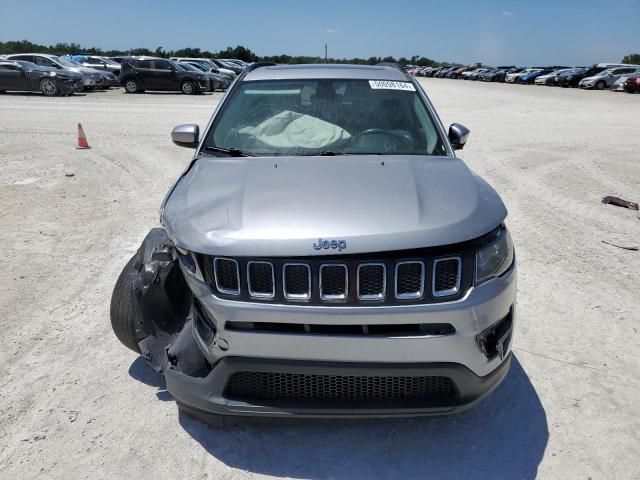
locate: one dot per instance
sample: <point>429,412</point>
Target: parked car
<point>572,79</point>
<point>487,75</point>
<point>632,85</point>
<point>216,82</point>
<point>475,73</point>
<point>605,78</point>
<point>212,63</point>
<point>618,85</point>
<point>150,73</point>
<point>21,76</point>
<point>443,72</point>
<point>527,78</point>
<point>97,62</point>
<point>515,75</point>
<point>118,60</point>
<point>90,78</point>
<point>206,67</point>
<point>550,78</point>
<point>247,306</point>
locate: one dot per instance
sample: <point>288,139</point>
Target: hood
<point>281,206</point>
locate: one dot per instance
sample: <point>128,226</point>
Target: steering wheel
<point>397,137</point>
<point>378,131</point>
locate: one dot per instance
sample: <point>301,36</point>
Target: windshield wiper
<point>232,152</point>
<point>328,153</point>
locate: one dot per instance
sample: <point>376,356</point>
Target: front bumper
<point>205,398</point>
<point>458,355</point>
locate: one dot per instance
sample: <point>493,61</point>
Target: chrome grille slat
<point>227,275</point>
<point>372,284</point>
<point>409,280</point>
<point>446,276</point>
<point>334,282</point>
<point>296,281</point>
<point>261,279</point>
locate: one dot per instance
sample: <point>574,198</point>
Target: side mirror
<point>186,135</point>
<point>458,135</point>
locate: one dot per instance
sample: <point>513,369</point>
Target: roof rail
<point>255,65</point>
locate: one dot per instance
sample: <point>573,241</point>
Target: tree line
<point>239,52</point>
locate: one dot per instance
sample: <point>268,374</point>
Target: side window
<point>26,58</point>
<point>45,62</point>
<point>143,64</point>
<point>94,61</point>
<point>161,65</point>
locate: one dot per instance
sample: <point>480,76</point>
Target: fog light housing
<point>496,339</point>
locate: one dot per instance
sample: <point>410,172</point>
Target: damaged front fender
<point>152,307</point>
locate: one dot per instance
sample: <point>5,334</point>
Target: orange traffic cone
<point>82,139</point>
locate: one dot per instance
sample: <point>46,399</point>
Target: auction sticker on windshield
<point>387,85</point>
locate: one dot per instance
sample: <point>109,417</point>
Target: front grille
<point>272,386</point>
<point>338,280</point>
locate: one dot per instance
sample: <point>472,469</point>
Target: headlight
<point>495,258</point>
<point>190,262</point>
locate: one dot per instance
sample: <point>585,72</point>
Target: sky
<point>553,32</point>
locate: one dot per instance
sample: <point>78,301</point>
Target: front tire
<point>188,88</point>
<point>600,85</point>
<point>122,309</point>
<point>131,86</point>
<point>49,88</point>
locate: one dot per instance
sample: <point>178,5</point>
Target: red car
<point>632,85</point>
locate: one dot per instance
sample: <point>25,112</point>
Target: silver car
<point>324,254</point>
<point>618,85</point>
<point>605,78</point>
<point>90,78</point>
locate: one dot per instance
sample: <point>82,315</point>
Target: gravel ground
<point>74,403</point>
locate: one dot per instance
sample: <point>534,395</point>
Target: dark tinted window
<point>161,65</point>
<point>143,64</point>
<point>8,67</point>
<point>94,61</point>
<point>28,58</point>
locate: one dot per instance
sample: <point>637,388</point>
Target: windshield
<point>188,66</point>
<point>197,66</point>
<point>180,67</point>
<point>313,117</point>
<point>65,62</point>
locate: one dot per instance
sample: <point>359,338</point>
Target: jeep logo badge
<point>330,244</point>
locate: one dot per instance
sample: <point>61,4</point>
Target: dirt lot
<point>74,403</point>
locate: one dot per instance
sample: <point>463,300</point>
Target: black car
<point>148,73</point>
<point>26,76</point>
<point>573,79</point>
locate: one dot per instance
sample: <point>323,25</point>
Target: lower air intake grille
<point>246,386</point>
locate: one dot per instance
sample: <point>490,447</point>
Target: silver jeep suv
<point>325,254</point>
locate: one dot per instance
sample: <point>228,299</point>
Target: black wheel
<point>600,85</point>
<point>188,88</point>
<point>49,88</point>
<point>122,309</point>
<point>131,86</point>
